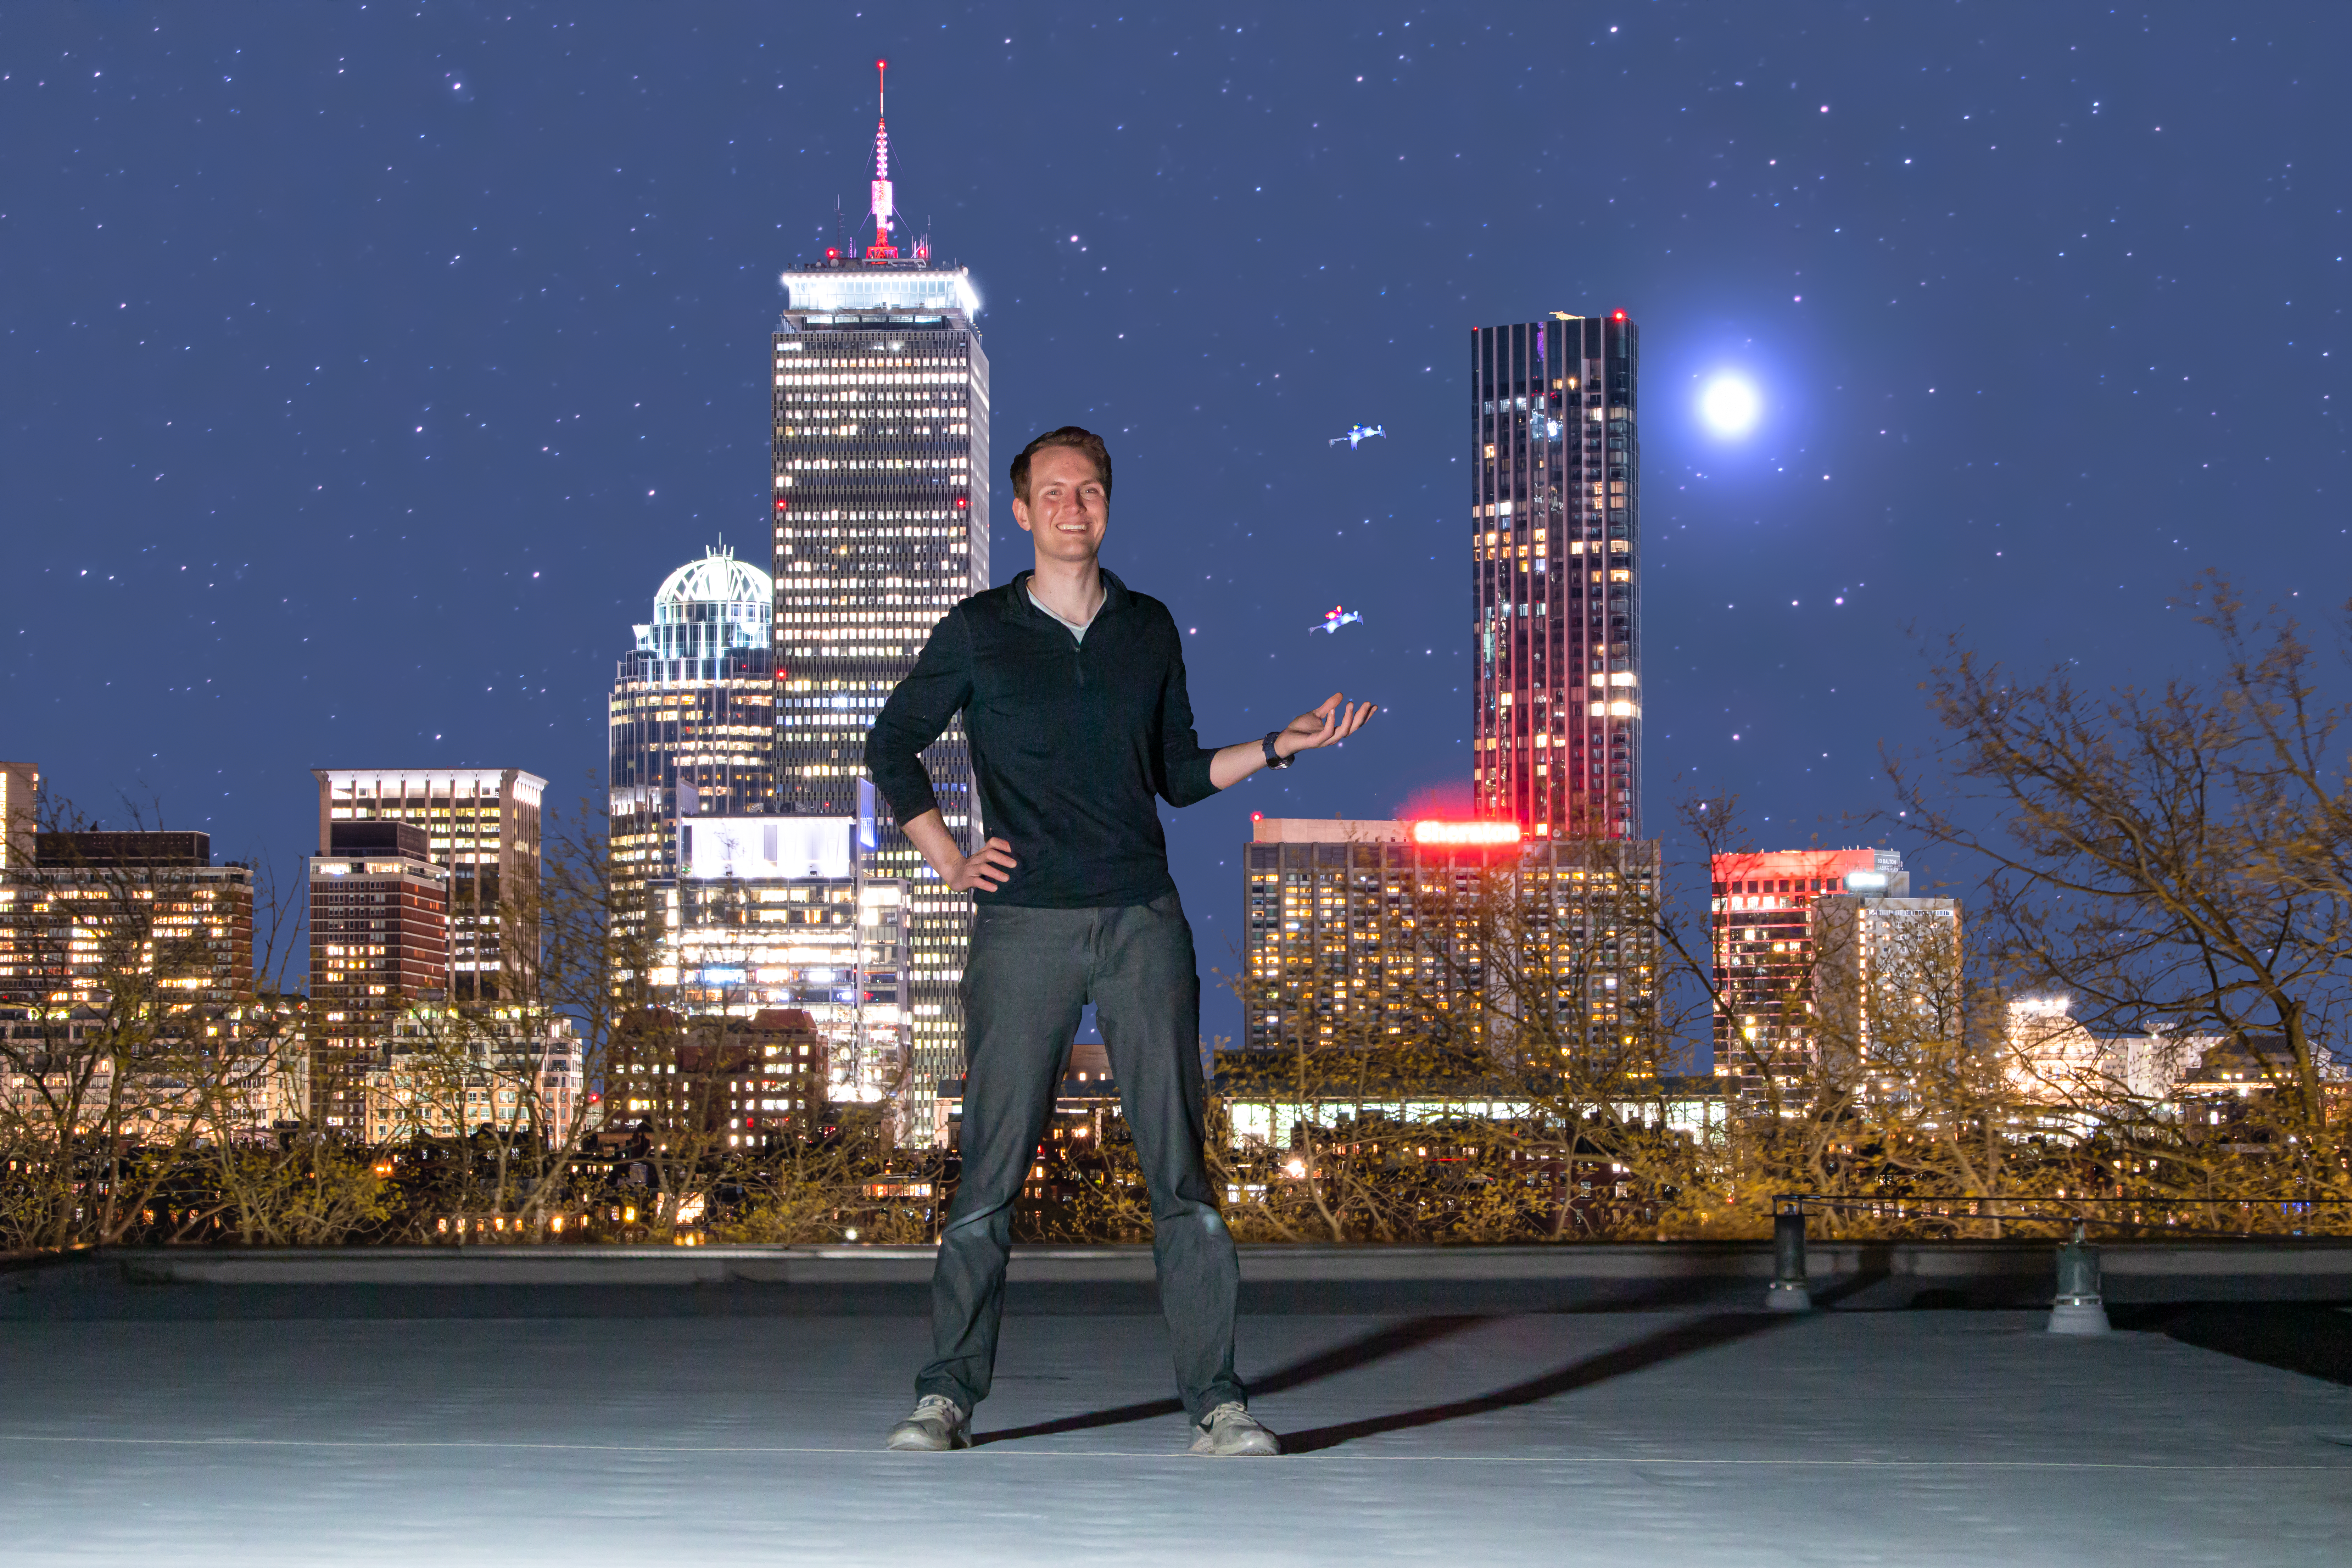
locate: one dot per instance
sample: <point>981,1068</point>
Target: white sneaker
<point>938,1425</point>
<point>1231,1432</point>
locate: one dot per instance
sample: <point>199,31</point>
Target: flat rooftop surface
<point>1697,1436</point>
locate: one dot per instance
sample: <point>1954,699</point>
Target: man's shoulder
<point>1144,606</point>
<point>988,603</point>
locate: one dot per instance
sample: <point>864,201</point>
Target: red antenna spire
<point>882,249</point>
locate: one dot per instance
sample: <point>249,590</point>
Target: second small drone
<point>1355,435</point>
<point>1335,620</point>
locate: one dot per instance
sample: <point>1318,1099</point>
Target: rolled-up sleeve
<point>1184,762</point>
<point>918,709</point>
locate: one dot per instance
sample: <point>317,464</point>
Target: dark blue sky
<point>367,367</point>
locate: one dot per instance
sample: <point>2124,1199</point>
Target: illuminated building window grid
<point>484,826</point>
<point>1555,545</point>
<point>692,718</point>
<point>502,1067</point>
<point>833,948</point>
<point>64,929</point>
<point>1335,951</point>
<point>879,428</point>
<point>1768,951</point>
<point>716,736</point>
<point>380,941</point>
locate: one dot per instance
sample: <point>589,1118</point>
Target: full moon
<point>1729,405</point>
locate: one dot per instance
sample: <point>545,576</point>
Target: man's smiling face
<point>1067,508</point>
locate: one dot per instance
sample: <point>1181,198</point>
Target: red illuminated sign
<point>1466,833</point>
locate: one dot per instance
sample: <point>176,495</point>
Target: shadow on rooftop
<point>1427,1329</point>
<point>1361,1351</point>
<point>2308,1337</point>
<point>1666,1344</point>
<point>1675,1340</point>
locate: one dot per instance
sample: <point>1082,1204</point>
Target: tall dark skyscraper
<point>1556,539</point>
<point>881,526</point>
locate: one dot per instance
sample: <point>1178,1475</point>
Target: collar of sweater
<point>1115,597</point>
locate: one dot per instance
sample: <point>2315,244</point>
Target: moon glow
<point>1730,405</point>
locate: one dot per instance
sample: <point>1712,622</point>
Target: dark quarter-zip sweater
<point>1071,739</point>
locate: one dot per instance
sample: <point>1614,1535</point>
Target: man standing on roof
<point>1072,689</point>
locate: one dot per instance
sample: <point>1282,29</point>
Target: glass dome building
<point>706,610</point>
<point>693,710</point>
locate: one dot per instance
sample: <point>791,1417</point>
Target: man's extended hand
<point>986,870</point>
<point>1328,725</point>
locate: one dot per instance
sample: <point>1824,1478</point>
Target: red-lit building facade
<point>1555,708</point>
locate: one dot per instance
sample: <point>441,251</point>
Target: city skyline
<point>1847,896</point>
<point>565,334</point>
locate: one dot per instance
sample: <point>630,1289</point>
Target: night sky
<point>368,366</point>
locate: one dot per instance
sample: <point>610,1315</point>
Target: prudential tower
<point>881,526</point>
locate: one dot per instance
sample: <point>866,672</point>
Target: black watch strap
<point>1274,759</point>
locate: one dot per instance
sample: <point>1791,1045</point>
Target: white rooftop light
<point>883,289</point>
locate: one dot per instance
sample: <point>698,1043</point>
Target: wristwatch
<point>1275,759</point>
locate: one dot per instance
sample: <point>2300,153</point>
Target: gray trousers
<point>1029,974</point>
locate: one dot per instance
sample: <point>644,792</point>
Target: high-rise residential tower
<point>1556,656</point>
<point>96,914</point>
<point>881,526</point>
<point>693,715</point>
<point>379,945</point>
<point>1370,932</point>
<point>20,813</point>
<point>1814,949</point>
<point>484,829</point>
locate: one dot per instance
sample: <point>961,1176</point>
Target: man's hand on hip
<point>984,871</point>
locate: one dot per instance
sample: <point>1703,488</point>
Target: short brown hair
<point>1070,436</point>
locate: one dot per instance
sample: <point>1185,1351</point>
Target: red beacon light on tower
<point>884,209</point>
